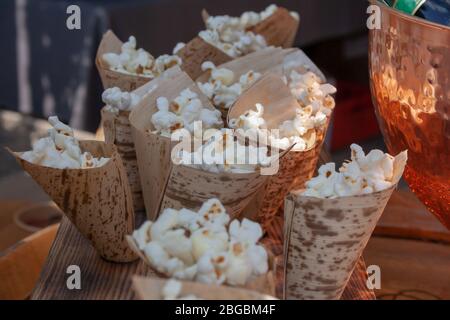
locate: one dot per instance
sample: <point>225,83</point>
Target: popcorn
<point>316,105</point>
<point>183,112</point>
<point>203,246</point>
<point>222,88</point>
<point>116,100</point>
<point>223,153</point>
<point>61,150</point>
<point>362,175</point>
<point>230,34</point>
<point>172,290</point>
<point>139,62</point>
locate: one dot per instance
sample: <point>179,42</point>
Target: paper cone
<point>263,284</point>
<point>279,29</point>
<point>110,78</point>
<point>197,51</point>
<point>325,238</point>
<point>147,288</point>
<point>296,167</point>
<point>117,131</point>
<point>153,150</point>
<point>97,200</point>
<point>189,187</point>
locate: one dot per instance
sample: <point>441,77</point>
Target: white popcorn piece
<point>362,175</point>
<point>116,100</point>
<point>61,150</point>
<point>139,62</point>
<point>178,47</point>
<point>171,290</point>
<point>183,112</point>
<point>215,252</point>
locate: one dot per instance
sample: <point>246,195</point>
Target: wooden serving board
<point>105,280</point>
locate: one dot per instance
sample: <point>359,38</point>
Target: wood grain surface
<point>105,280</point>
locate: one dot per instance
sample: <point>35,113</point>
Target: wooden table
<point>104,280</point>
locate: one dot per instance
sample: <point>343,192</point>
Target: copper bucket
<point>409,61</point>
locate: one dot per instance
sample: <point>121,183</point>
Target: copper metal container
<point>409,61</point>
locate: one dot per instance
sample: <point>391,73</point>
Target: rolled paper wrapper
<point>96,200</point>
<point>263,284</point>
<point>324,238</point>
<point>154,150</point>
<point>111,78</point>
<point>148,288</point>
<point>267,60</point>
<point>296,167</point>
<point>117,131</point>
<point>279,30</point>
<point>190,187</point>
<point>197,51</point>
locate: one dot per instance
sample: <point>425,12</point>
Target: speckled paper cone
<point>97,200</point>
<point>117,131</point>
<point>111,78</point>
<point>153,150</point>
<point>279,29</point>
<point>263,284</point>
<point>147,288</point>
<point>197,51</point>
<point>296,167</point>
<point>262,61</point>
<point>189,187</point>
<point>325,238</point>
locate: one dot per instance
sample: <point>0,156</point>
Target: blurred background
<point>50,70</point>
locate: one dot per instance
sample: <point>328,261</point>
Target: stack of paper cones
<point>96,200</point>
<point>117,131</point>
<point>267,60</point>
<point>264,284</point>
<point>148,288</point>
<point>324,238</point>
<point>279,30</point>
<point>296,167</point>
<point>197,51</point>
<point>111,78</point>
<point>153,150</point>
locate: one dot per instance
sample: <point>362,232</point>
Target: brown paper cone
<point>97,201</point>
<point>153,150</point>
<point>279,29</point>
<point>148,288</point>
<point>197,51</point>
<point>264,284</point>
<point>189,187</point>
<point>296,167</point>
<point>325,238</point>
<point>117,131</point>
<point>110,78</point>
